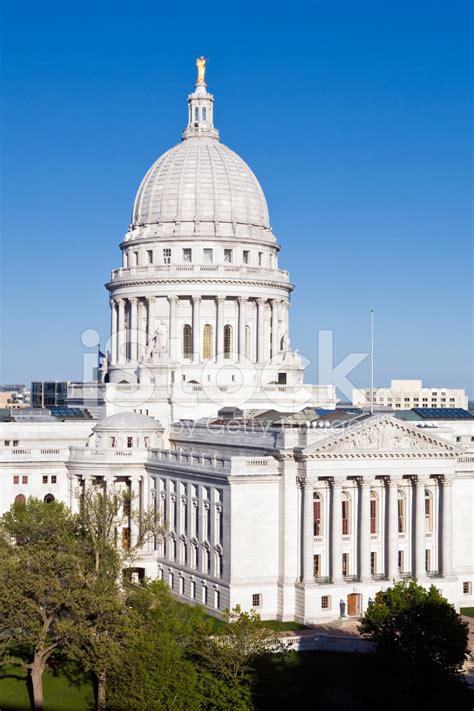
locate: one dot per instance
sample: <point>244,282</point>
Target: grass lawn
<point>279,626</point>
<point>59,694</point>
<point>469,611</point>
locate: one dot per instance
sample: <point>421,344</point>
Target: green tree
<point>228,658</point>
<point>154,670</point>
<point>423,641</point>
<point>42,584</point>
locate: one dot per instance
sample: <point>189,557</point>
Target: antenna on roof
<point>372,312</point>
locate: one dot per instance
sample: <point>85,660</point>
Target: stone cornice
<point>127,283</point>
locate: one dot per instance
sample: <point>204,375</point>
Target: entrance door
<point>354,604</point>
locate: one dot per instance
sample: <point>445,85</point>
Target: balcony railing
<point>241,271</point>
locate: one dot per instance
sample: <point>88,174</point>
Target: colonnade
<point>129,338</point>
<point>389,526</point>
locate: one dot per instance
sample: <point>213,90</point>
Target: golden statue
<point>201,67</point>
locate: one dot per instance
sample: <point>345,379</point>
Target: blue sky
<point>355,117</point>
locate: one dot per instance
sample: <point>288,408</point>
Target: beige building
<point>407,394</point>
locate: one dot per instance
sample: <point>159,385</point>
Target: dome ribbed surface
<point>198,180</point>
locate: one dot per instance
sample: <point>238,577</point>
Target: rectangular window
<point>204,595</point>
<point>228,256</point>
<point>325,602</point>
<point>401,515</point>
<point>217,599</point>
<point>245,256</point>
<point>373,563</point>
<point>187,255</point>
<point>149,256</point>
<point>16,479</point>
<point>401,567</point>
<point>181,586</point>
<point>373,516</point>
<point>53,479</point>
<point>317,566</point>
<point>135,259</point>
<point>208,255</point>
<point>345,518</point>
<point>24,479</point>
<point>345,564</point>
<point>171,580</point>
<point>129,442</point>
<point>45,479</point>
<point>192,590</point>
<point>467,587</point>
<point>256,600</point>
<point>260,259</point>
<point>7,443</point>
<point>16,442</point>
<point>317,517</point>
<point>167,256</point>
<point>427,560</point>
<point>125,538</point>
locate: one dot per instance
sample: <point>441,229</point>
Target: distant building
<point>48,393</point>
<point>408,394</point>
<point>13,396</point>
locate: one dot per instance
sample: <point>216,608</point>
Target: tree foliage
<point>417,627</point>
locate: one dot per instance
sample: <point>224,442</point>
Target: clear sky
<point>355,116</point>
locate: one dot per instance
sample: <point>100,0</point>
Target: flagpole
<point>371,361</point>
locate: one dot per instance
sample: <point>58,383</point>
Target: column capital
<point>135,477</point>
<point>133,299</point>
<point>421,480</point>
<point>337,482</point>
<point>196,298</point>
<point>173,299</point>
<point>366,481</point>
<point>220,299</point>
<point>241,299</point>
<point>392,482</point>
<point>120,301</point>
<point>447,479</point>
<point>151,299</point>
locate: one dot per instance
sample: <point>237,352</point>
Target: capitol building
<point>272,497</point>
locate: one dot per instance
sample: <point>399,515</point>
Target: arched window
<point>218,564</point>
<point>317,515</point>
<point>374,522</point>
<point>187,341</point>
<point>20,499</point>
<point>428,511</point>
<point>227,341</point>
<point>345,514</point>
<point>207,342</point>
<point>48,498</point>
<point>204,113</point>
<point>401,513</point>
<point>196,114</point>
<point>206,560</point>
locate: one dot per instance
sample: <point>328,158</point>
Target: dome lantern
<point>200,108</point>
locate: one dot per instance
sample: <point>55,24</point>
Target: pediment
<point>382,437</point>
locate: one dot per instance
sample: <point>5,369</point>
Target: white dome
<point>200,180</point>
<point>127,421</point>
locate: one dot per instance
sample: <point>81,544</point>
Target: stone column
<point>419,568</point>
<point>391,544</point>
<point>275,316</point>
<point>364,530</point>
<point>173,302</point>
<point>74,487</point>
<point>220,328</point>
<point>336,531</point>
<point>196,303</point>
<point>121,341</point>
<point>135,507</point>
<point>447,527</point>
<point>241,301</point>
<point>151,302</point>
<point>113,332</point>
<point>142,328</point>
<point>308,533</point>
<point>260,330</point>
<point>133,329</point>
